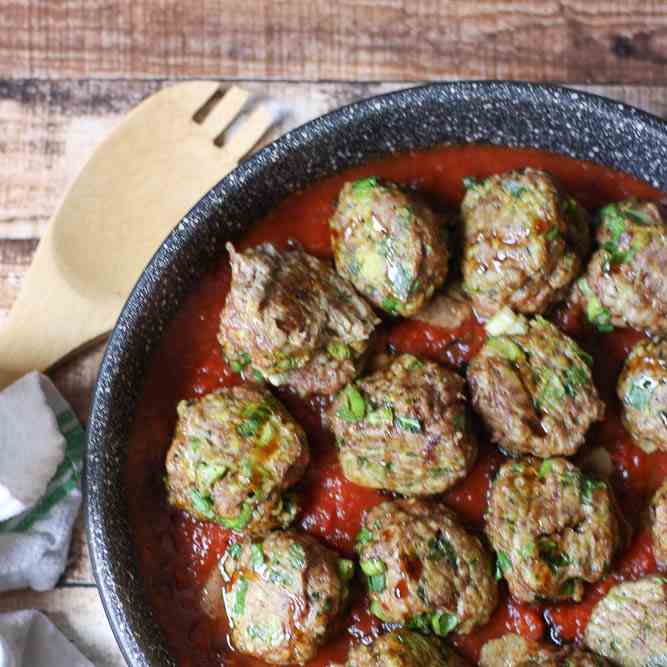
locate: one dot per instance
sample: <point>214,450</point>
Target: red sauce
<point>176,554</point>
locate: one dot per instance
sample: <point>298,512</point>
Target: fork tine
<point>248,133</point>
<point>224,112</point>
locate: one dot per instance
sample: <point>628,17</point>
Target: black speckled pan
<point>511,114</point>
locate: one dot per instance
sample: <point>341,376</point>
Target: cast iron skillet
<point>582,126</point>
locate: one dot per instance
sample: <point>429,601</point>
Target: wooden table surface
<point>70,69</point>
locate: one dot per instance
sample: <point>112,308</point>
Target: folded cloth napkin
<point>29,639</point>
<point>41,454</point>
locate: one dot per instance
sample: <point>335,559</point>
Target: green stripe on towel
<point>65,480</point>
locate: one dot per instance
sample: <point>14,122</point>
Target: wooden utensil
<point>136,186</point>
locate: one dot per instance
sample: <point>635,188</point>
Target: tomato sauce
<point>176,555</point>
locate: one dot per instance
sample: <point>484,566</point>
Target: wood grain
<point>585,41</point>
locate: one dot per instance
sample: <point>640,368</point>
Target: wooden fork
<point>136,186</point>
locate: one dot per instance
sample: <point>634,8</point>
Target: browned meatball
<point>389,244</point>
<point>290,318</point>
<point>629,625</point>
<point>424,569</point>
<point>234,454</point>
<point>625,283</point>
<point>515,651</point>
<point>524,240</point>
<point>404,428</point>
<point>552,528</point>
<point>284,596</point>
<point>403,648</point>
<point>659,525</point>
<point>642,389</point>
<point>533,387</point>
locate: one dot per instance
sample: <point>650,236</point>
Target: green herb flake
<point>377,583</point>
<point>421,623</point>
<point>352,405</point>
<point>373,567</point>
<point>202,504</point>
<point>443,623</point>
<point>545,468</point>
<point>241,521</point>
<point>568,588</point>
<point>297,556</point>
<point>376,610</point>
<point>239,600</point>
<point>238,364</point>
<point>410,424</point>
<point>503,564</point>
<point>552,556</point>
<point>345,569</point>
<point>640,393</point>
<point>391,305</point>
<point>552,234</point>
<point>515,189</point>
<point>234,550</point>
<point>440,547</point>
<point>598,315</point>
<point>338,350</point>
<point>256,555</point>
<point>364,536</point>
<point>638,216</point>
<point>588,486</point>
<point>584,356</point>
<point>506,348</point>
<point>364,186</point>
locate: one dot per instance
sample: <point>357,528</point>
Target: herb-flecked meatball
<point>404,428</point>
<point>533,387</point>
<point>403,648</point>
<point>284,596</point>
<point>290,318</point>
<point>234,454</point>
<point>642,389</point>
<point>659,524</point>
<point>629,625</point>
<point>424,569</point>
<point>524,240</point>
<point>625,282</point>
<point>389,244</point>
<point>552,528</point>
<point>515,651</point>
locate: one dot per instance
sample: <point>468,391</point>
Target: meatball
<point>284,596</point>
<point>404,428</point>
<point>624,284</point>
<point>629,625</point>
<point>533,387</point>
<point>389,244</point>
<point>642,389</point>
<point>234,454</point>
<point>659,525</point>
<point>424,569</point>
<point>515,651</point>
<point>524,240</point>
<point>403,648</point>
<point>290,319</point>
<point>552,528</point>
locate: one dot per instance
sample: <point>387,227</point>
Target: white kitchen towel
<point>41,439</point>
<point>29,639</point>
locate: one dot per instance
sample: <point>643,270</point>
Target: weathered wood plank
<point>585,41</point>
<point>78,614</point>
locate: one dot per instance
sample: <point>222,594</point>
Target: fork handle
<point>48,321</point>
